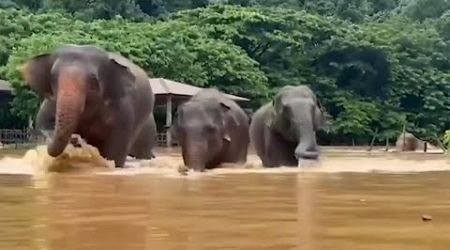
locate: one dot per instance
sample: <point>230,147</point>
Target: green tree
<point>423,9</point>
<point>99,9</point>
<point>372,74</point>
<point>175,50</point>
<point>371,65</point>
<point>447,138</point>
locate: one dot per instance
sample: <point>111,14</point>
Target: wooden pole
<point>373,139</point>
<point>404,136</point>
<point>168,120</point>
<point>30,122</point>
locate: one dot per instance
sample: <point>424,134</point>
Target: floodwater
<point>351,201</point>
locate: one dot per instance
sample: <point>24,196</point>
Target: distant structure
<point>5,86</point>
<point>6,94</point>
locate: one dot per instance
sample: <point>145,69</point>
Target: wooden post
<point>30,122</point>
<point>387,144</point>
<point>375,134</point>
<point>168,120</point>
<point>404,139</point>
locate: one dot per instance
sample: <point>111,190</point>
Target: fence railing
<point>162,140</point>
<point>18,137</point>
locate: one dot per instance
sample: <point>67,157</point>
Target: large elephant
<point>283,131</point>
<point>99,95</point>
<point>408,142</point>
<point>211,130</point>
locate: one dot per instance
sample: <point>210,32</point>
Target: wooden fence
<point>18,137</point>
<point>162,140</point>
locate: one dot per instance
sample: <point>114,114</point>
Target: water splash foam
<point>37,163</point>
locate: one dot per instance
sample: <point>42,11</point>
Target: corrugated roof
<point>5,86</point>
<point>161,86</point>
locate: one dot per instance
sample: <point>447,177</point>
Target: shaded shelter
<point>9,120</point>
<point>171,93</point>
<point>5,86</point>
<point>6,94</point>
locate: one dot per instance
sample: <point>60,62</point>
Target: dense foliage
<point>375,65</point>
<point>447,138</point>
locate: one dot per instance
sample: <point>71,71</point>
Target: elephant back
<point>142,94</point>
<point>215,95</point>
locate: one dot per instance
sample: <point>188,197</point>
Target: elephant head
<point>202,129</point>
<point>296,114</point>
<point>78,78</point>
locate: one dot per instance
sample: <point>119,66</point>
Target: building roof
<point>5,86</point>
<point>161,86</point>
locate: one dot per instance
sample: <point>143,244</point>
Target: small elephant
<point>99,95</point>
<point>408,142</point>
<point>211,130</point>
<point>283,131</point>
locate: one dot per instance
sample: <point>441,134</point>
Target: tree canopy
<point>375,65</point>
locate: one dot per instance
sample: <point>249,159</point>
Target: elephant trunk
<point>307,146</point>
<point>70,101</point>
<point>194,156</point>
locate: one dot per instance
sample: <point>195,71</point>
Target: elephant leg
<point>145,140</point>
<point>278,151</point>
<point>242,150</point>
<point>242,156</point>
<point>235,152</point>
<point>117,146</point>
<point>45,118</point>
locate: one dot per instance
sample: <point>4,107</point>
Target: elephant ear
<point>270,117</point>
<point>230,120</point>
<point>319,116</point>
<point>116,80</point>
<point>37,74</point>
<point>276,103</point>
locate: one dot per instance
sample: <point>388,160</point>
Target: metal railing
<point>18,137</point>
<point>162,140</point>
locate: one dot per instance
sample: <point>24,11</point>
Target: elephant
<point>99,95</point>
<point>211,129</point>
<point>408,142</point>
<point>283,131</point>
<point>145,141</point>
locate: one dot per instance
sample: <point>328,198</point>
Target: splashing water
<point>37,163</point>
<point>87,159</point>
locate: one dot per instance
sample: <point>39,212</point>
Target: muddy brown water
<point>351,201</point>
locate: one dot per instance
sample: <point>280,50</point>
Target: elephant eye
<point>287,110</point>
<point>93,83</point>
<point>210,129</point>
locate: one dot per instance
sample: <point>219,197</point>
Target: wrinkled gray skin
<point>211,130</point>
<point>101,96</point>
<point>283,131</point>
